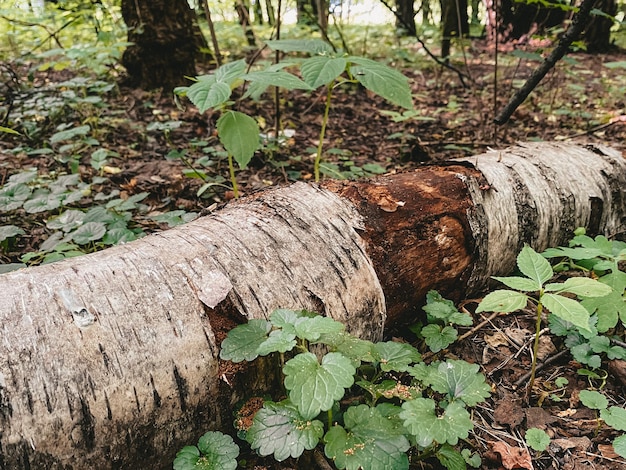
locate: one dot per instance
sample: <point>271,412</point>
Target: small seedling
<point>537,272</point>
<point>613,416</point>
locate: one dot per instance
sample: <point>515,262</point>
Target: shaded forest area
<point>90,159</point>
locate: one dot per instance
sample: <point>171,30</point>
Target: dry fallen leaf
<point>606,450</point>
<point>512,457</point>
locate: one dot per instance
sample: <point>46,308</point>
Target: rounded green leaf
<point>278,341</point>
<point>88,232</point>
<point>502,301</point>
<point>594,400</point>
<point>13,195</point>
<point>619,446</point>
<point>9,231</point>
<point>537,439</point>
<point>421,419</point>
<point>243,341</point>
<point>312,328</point>
<point>394,356</point>
<point>314,387</point>
<point>219,452</point>
<point>534,266</point>
<point>369,440</point>
<point>568,309</point>
<point>279,429</point>
<point>239,134</point>
<point>460,380</point>
<point>614,417</point>
<point>187,458</point>
<point>438,337</point>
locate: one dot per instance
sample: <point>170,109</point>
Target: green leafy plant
<point>407,403</point>
<point>613,416</point>
<point>537,271</point>
<point>239,133</point>
<point>441,315</point>
<point>537,439</point>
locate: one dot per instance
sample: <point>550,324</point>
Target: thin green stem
<point>320,146</point>
<point>233,178</point>
<point>533,367</point>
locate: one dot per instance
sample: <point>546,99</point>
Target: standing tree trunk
<point>454,23</point>
<point>597,34</point>
<point>110,360</point>
<point>405,22</point>
<point>165,42</point>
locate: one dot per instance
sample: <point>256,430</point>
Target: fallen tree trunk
<point>111,360</point>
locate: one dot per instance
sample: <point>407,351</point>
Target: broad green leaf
<point>615,417</point>
<point>230,72</point>
<point>460,380</point>
<point>502,301</point>
<point>9,231</point>
<point>473,460</point>
<point>578,253</point>
<point>585,355</point>
<point>534,266</point>
<point>239,134</point>
<point>243,341</point>
<point>580,286</point>
<point>450,458</point>
<point>13,195</point>
<point>278,78</point>
<point>279,429</point>
<point>369,440</point>
<point>67,221</point>
<point>438,338</point>
<point>537,439</point>
<point>354,348</point>
<point>117,235</point>
<point>383,80</point>
<point>421,419</point>
<point>312,328</point>
<point>619,446</point>
<point>187,458</point>
<point>285,319</point>
<point>312,46</point>
<point>568,309</point>
<point>322,70</point>
<point>592,399</point>
<point>42,202</point>
<point>314,387</point>
<point>616,280</point>
<point>8,130</point>
<point>207,94</point>
<point>69,133</point>
<point>278,341</point>
<point>621,64</point>
<point>394,356</point>
<point>438,308</point>
<point>89,232</point>
<point>219,451</point>
<point>523,284</point>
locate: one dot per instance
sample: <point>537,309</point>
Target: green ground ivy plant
<point>533,286</point>
<point>370,405</point>
<point>239,133</point>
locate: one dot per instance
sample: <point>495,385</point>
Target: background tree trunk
<point>454,23</point>
<point>110,360</point>
<point>597,34</point>
<point>406,25</point>
<point>165,42</point>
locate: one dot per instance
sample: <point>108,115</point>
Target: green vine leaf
<point>394,356</point>
<point>609,309</point>
<point>208,94</point>
<point>243,341</point>
<point>369,440</point>
<point>215,451</point>
<point>314,387</point>
<point>568,309</point>
<point>421,419</point>
<point>534,266</point>
<point>279,429</point>
<point>239,134</point>
<point>519,283</point>
<point>502,301</point>
<point>278,341</point>
<point>460,380</point>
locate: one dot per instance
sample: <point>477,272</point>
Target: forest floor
<point>155,147</point>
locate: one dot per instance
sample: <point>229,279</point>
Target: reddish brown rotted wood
<point>417,233</point>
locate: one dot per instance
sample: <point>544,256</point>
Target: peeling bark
<point>110,360</point>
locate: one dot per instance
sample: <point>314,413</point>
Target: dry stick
<point>277,116</point>
<point>523,379</point>
<point>321,461</point>
<point>216,47</point>
<point>578,23</point>
<point>460,74</point>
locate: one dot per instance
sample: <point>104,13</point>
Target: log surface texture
<point>110,360</point>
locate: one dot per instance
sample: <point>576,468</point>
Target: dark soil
<point>582,101</point>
